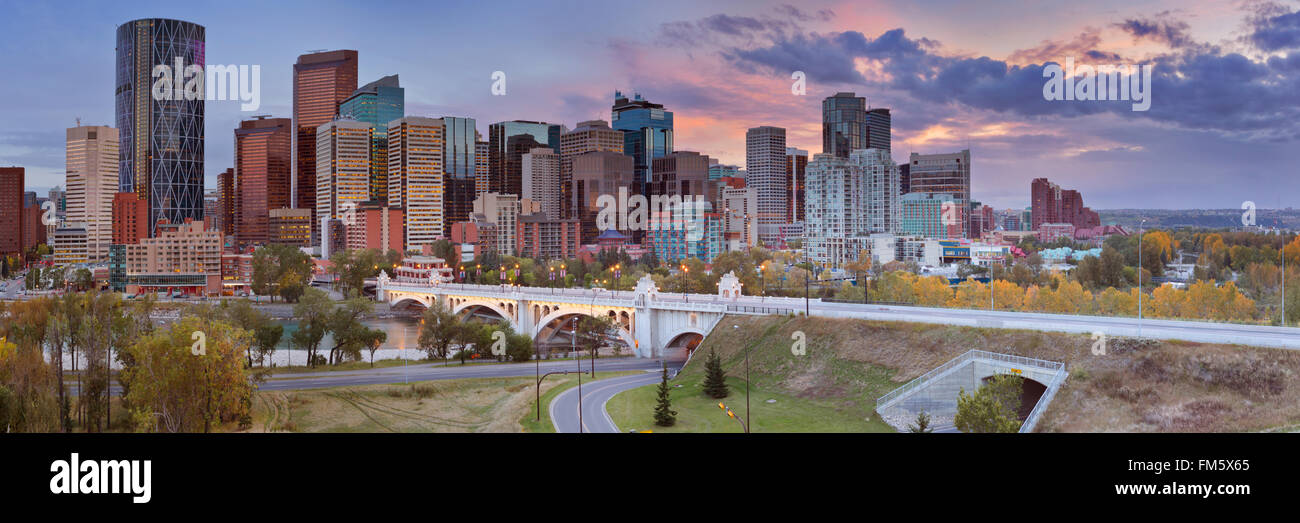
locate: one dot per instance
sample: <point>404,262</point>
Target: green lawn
<point>696,412</point>
<point>566,382</point>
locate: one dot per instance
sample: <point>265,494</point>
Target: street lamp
<point>1141,232</point>
<point>733,415</point>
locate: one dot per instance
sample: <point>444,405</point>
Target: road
<point>436,371</point>
<point>595,394</point>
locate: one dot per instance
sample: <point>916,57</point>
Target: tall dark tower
<point>161,134</point>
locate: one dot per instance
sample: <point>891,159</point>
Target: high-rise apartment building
<point>342,169</point>
<point>320,82</point>
<point>92,164</point>
<point>541,180</point>
<point>848,201</point>
<point>263,153</point>
<point>377,103</point>
<point>415,177</point>
<point>160,138</point>
<point>501,210</point>
<point>11,210</point>
<point>1052,205</point>
<point>765,161</point>
<point>947,173</point>
<point>376,226</point>
<point>922,214</point>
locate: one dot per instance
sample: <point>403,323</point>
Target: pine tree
<point>664,415</point>
<point>922,424</point>
<point>715,382</point>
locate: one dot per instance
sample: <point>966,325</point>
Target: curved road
<point>595,394</point>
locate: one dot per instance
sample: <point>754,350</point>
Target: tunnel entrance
<point>1030,392</point>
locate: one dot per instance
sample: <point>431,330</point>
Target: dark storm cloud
<point>1160,28</point>
<point>1277,32</point>
<point>1197,87</point>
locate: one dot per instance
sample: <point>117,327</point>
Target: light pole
<point>733,415</point>
<point>1141,232</point>
<point>737,327</point>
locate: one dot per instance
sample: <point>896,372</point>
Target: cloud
<point>1086,44</point>
<point>1162,28</point>
<point>1279,32</point>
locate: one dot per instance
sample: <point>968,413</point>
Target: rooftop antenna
<point>78,121</point>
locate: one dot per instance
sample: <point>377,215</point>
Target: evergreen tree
<point>922,424</point>
<point>715,382</point>
<point>664,415</point>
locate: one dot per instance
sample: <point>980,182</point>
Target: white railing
<point>1046,398</point>
<point>894,396</point>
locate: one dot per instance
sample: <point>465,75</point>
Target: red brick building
<point>11,210</point>
<point>130,218</point>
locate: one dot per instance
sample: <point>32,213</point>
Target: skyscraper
<point>482,172</point>
<point>226,201</point>
<point>507,142</point>
<point>377,103</point>
<point>161,139</point>
<point>541,183</point>
<point>848,125</point>
<point>647,133</point>
<point>11,210</point>
<point>92,163</point>
<point>796,169</point>
<point>848,201</point>
<point>765,166</point>
<point>460,169</point>
<point>342,170</point>
<point>262,176</point>
<point>589,136</point>
<point>320,81</point>
<point>415,176</point>
<point>943,174</point>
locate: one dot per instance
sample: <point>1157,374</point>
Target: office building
<point>160,138</point>
<point>71,244</point>
<point>765,161</point>
<point>543,238</point>
<point>226,202</point>
<point>682,173</point>
<point>263,152</point>
<point>595,174</point>
<point>922,214</point>
<point>182,257</point>
<point>415,177</point>
<point>12,210</point>
<point>503,211</point>
<point>320,82</point>
<point>507,143</point>
<point>289,226</point>
<point>589,136</point>
<point>130,218</point>
<point>377,227</point>
<point>342,169</point>
<point>460,170</point>
<point>377,103</point>
<point>796,170</point>
<point>647,134</point>
<point>943,174</point>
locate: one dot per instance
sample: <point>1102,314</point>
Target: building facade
<point>160,140</point>
<point>415,177</point>
<point>320,82</point>
<point>377,103</point>
<point>765,162</point>
<point>263,156</point>
<point>947,173</point>
<point>92,164</point>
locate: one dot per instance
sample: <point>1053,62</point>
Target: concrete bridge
<point>648,320</point>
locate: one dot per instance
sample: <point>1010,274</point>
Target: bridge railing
<point>748,309</point>
<point>1044,400</point>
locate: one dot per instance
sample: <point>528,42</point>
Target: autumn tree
<point>178,387</point>
<point>992,407</point>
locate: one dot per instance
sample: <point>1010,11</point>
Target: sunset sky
<point>1224,124</point>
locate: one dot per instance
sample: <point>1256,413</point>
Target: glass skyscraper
<point>161,140</point>
<point>377,103</point>
<point>647,132</point>
<point>504,165</point>
<point>848,125</point>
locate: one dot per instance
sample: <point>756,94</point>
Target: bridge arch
<point>460,305</point>
<point>624,332</point>
<point>402,302</point>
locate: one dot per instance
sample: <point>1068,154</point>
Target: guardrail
<point>1044,400</point>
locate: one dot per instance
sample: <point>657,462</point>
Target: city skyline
<point>725,68</point>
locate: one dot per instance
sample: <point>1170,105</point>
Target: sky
<point>1223,127</point>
